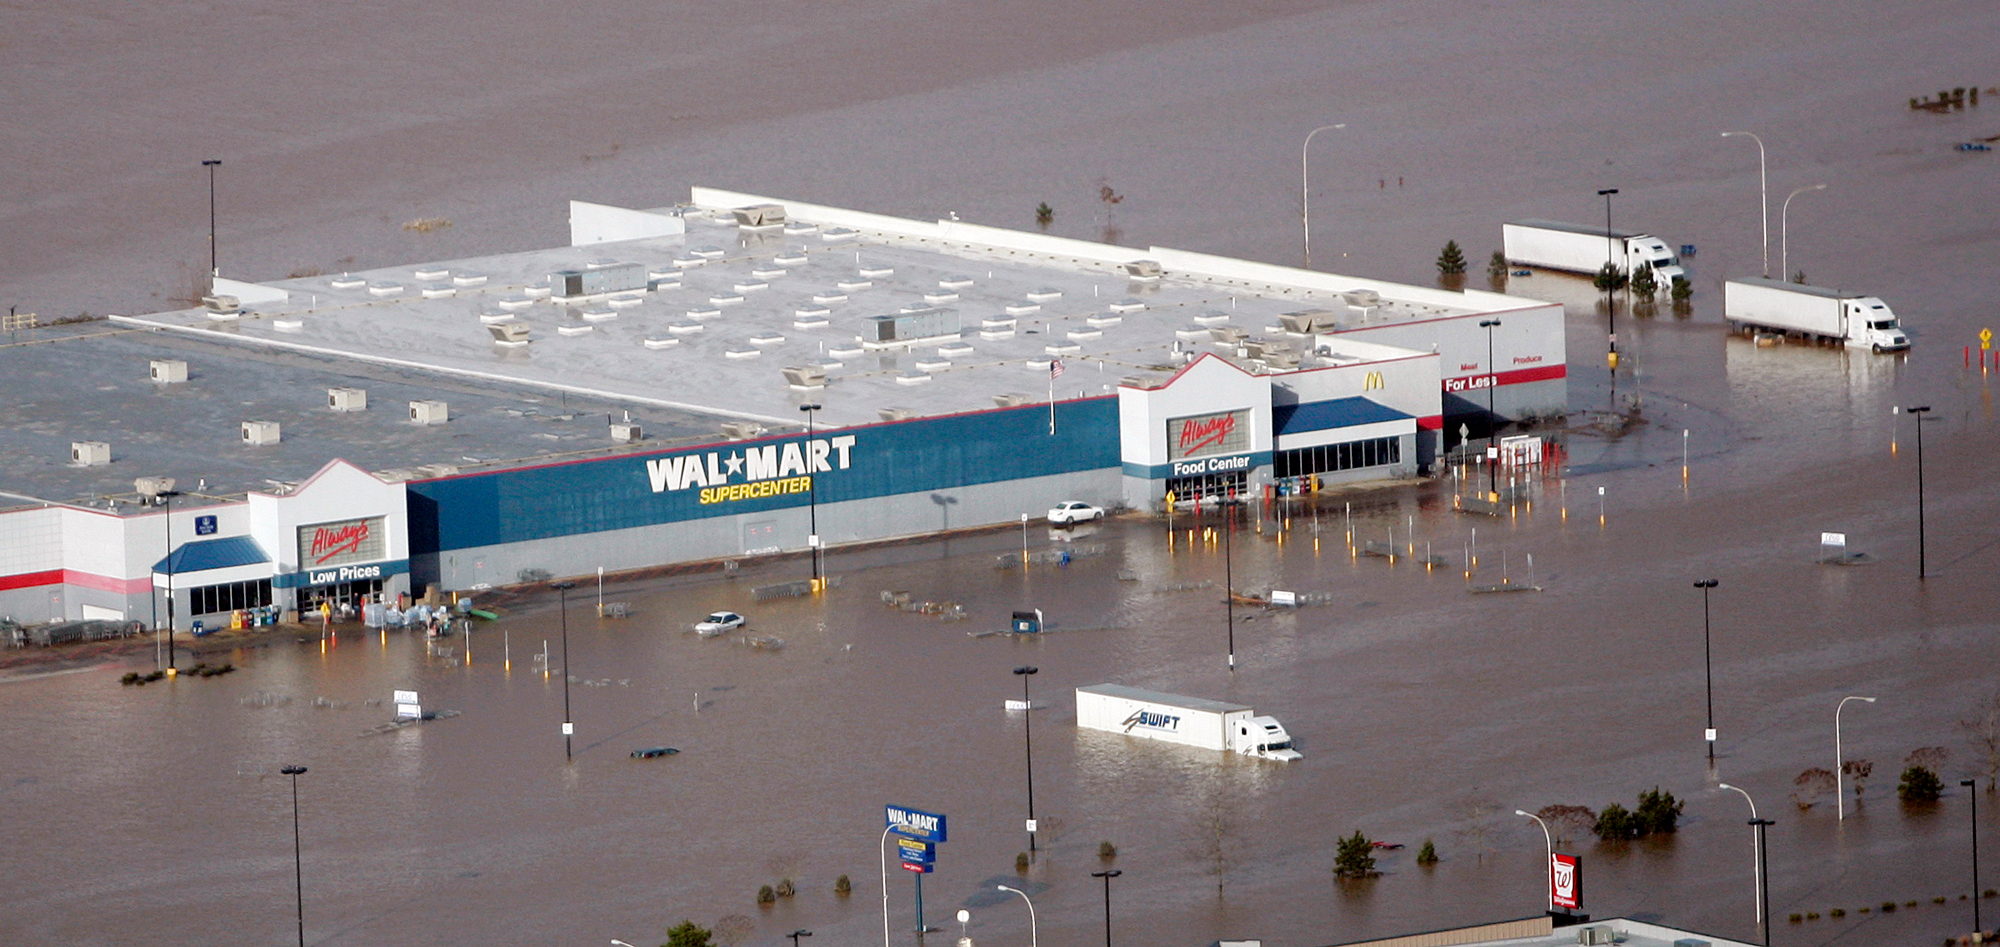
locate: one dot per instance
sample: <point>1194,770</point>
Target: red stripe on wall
<point>28,580</point>
<point>1465,383</point>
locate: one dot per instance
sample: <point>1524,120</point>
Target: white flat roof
<point>722,335</point>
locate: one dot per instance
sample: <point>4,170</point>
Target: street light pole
<point>298,863</point>
<point>882,850</point>
<point>1107,876</point>
<point>1028,739</point>
<point>1763,197</point>
<point>1840,760</point>
<point>1305,191</point>
<point>812,494</point>
<point>1548,860</point>
<point>214,269</point>
<point>1492,415</point>
<point>168,510</point>
<point>1229,576</point>
<point>1610,283</point>
<point>1764,902</point>
<point>1034,938</point>
<point>1973,794</point>
<point>1919,411</point>
<point>569,727</point>
<point>1785,229</point>
<point>1756,855</point>
<point>1708,669</point>
<point>795,935</point>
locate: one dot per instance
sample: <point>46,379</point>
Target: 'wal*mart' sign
<point>915,823</point>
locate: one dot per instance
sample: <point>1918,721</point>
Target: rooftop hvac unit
<point>741,430</point>
<point>1143,269</point>
<point>804,376</point>
<point>895,414</point>
<point>429,412</point>
<point>221,303</point>
<point>509,333</point>
<point>1592,936</point>
<point>905,328</point>
<point>1227,334</point>
<point>1306,321</point>
<point>1010,400</point>
<point>758,216</point>
<point>429,471</point>
<point>169,371</point>
<point>1281,359</point>
<point>260,433</point>
<point>347,399</point>
<point>597,281</point>
<point>89,453</point>
<point>626,432</point>
<point>1362,297</point>
<point>152,487</point>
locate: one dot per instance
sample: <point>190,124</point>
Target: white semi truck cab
<point>1190,721</point>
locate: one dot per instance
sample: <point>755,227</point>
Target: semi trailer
<point>1813,312</point>
<point>1190,721</point>
<point>1578,248</point>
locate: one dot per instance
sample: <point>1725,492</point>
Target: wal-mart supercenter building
<point>710,381</point>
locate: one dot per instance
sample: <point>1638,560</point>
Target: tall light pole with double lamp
<point>214,268</point>
<point>795,935</point>
<point>812,494</point>
<point>1708,668</point>
<point>1028,739</point>
<point>1919,411</point>
<point>1763,197</point>
<point>1973,793</point>
<point>1610,282</point>
<point>1305,190</point>
<point>1492,415</point>
<point>562,597</point>
<point>1107,876</point>
<point>298,862</point>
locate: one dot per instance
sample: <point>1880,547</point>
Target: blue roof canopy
<point>1326,415</point>
<point>205,554</point>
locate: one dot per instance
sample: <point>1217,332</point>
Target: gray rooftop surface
<point>91,382</point>
<point>735,320</point>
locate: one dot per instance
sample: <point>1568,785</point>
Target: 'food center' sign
<point>753,472</point>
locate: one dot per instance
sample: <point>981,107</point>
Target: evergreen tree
<point>1355,857</point>
<point>688,934</point>
<point>1451,262</point>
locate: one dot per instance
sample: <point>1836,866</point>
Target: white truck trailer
<point>1192,721</point>
<point>1815,312</point>
<point>1578,248</point>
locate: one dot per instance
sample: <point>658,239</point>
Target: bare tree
<point>1983,728</point>
<point>1932,758</point>
<point>1477,832</point>
<point>1214,839</point>
<point>732,929</point>
<point>1567,823</point>
<point>1810,785</point>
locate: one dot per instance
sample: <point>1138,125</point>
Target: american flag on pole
<point>1055,368</point>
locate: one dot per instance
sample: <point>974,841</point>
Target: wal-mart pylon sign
<point>920,831</point>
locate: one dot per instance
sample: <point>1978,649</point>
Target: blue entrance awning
<point>205,554</point>
<point>1327,415</point>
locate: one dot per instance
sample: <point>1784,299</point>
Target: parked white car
<point>719,623</point>
<point>1074,511</point>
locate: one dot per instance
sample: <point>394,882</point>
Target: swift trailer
<point>1553,245</point>
<point>1814,312</point>
<point>1191,721</point>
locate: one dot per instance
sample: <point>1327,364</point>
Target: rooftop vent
<point>1010,400</point>
<point>741,430</point>
<point>1306,321</point>
<point>895,414</point>
<point>431,273</point>
<point>169,371</point>
<point>910,327</point>
<point>89,453</point>
<point>626,432</point>
<point>260,433</point>
<point>429,412</point>
<point>805,376</point>
<point>347,281</point>
<point>347,399</point>
<point>760,216</point>
<point>509,333</point>
<point>222,304</point>
<point>152,487</point>
<point>1228,335</point>
<point>1143,269</point>
<point>567,285</point>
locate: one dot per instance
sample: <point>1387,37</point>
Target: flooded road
<point>1424,712</point>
